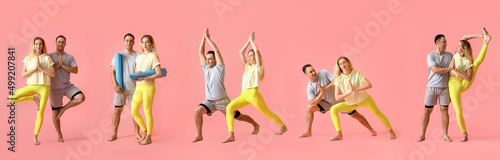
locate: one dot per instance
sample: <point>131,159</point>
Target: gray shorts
<point>218,105</point>
<point>56,95</point>
<point>433,93</point>
<point>121,98</point>
<point>325,106</point>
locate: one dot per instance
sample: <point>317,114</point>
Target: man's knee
<point>428,111</point>
<point>200,110</point>
<point>311,108</point>
<point>79,98</point>
<point>444,108</point>
<point>118,110</point>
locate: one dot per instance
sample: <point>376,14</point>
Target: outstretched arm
<point>203,59</point>
<point>472,36</point>
<point>218,56</point>
<point>242,54</point>
<point>258,57</point>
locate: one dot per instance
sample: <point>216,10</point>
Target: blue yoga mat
<point>134,76</point>
<point>119,70</point>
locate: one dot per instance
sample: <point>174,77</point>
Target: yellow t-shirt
<point>38,77</point>
<point>356,79</point>
<point>462,64</point>
<point>251,77</point>
<point>146,62</point>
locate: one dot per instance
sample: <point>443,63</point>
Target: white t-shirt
<point>324,79</point>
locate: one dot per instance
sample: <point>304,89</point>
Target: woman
<point>350,85</point>
<point>145,88</point>
<point>254,73</point>
<point>463,71</point>
<point>38,68</point>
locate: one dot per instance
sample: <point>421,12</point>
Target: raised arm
<point>218,56</point>
<point>472,36</point>
<point>242,53</point>
<point>203,59</point>
<point>258,57</point>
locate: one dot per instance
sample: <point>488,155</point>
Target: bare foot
<point>373,132</point>
<point>60,139</point>
<point>61,111</point>
<point>229,138</point>
<point>393,135</point>
<point>142,138</point>
<point>487,36</point>
<point>282,130</point>
<point>138,136</point>
<point>256,129</point>
<point>337,137</point>
<point>35,140</point>
<point>305,134</point>
<point>447,138</point>
<point>36,98</point>
<point>465,138</point>
<point>198,138</point>
<point>112,138</point>
<point>421,138</point>
<point>146,141</point>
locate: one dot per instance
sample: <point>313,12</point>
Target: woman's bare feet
<point>487,36</point>
<point>60,139</point>
<point>465,138</point>
<point>144,135</point>
<point>393,135</point>
<point>421,138</point>
<point>35,140</point>
<point>256,128</point>
<point>282,130</point>
<point>138,136</point>
<point>36,98</point>
<point>147,140</point>
<point>229,138</point>
<point>373,132</point>
<point>337,137</point>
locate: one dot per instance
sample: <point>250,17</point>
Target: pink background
<point>289,35</point>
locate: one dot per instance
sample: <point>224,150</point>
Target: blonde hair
<point>337,70</point>
<point>32,46</point>
<point>153,49</point>
<point>467,50</point>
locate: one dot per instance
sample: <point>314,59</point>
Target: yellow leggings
<point>249,96</point>
<point>144,94</point>
<point>26,94</point>
<point>457,86</point>
<point>368,103</point>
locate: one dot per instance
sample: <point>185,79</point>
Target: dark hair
<point>129,34</point>
<point>305,67</point>
<point>437,38</point>
<point>61,36</point>
<point>211,52</point>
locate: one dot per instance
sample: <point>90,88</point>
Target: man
<point>437,86</point>
<point>215,91</point>
<point>120,98</point>
<point>64,65</point>
<point>323,101</point>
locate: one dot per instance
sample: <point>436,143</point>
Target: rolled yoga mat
<point>119,70</point>
<point>134,76</point>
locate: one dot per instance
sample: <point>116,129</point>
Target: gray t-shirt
<point>61,79</point>
<point>214,81</point>
<point>324,79</point>
<point>128,68</point>
<point>442,61</point>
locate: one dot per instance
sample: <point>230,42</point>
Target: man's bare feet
<point>305,134</point>
<point>256,129</point>
<point>421,138</point>
<point>198,138</point>
<point>229,138</point>
<point>465,138</point>
<point>35,140</point>
<point>60,139</point>
<point>373,132</point>
<point>61,111</point>
<point>337,137</point>
<point>112,138</point>
<point>447,138</point>
<point>393,135</point>
<point>36,98</point>
<point>282,130</point>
